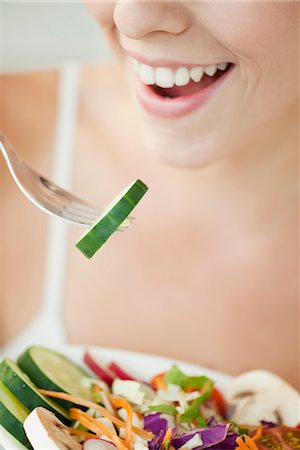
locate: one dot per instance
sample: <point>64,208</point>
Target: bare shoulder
<point>29,104</point>
<point>21,92</point>
<point>28,110</point>
<point>27,117</point>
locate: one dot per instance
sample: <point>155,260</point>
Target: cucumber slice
<point>13,415</point>
<point>112,217</point>
<point>52,371</point>
<point>23,388</point>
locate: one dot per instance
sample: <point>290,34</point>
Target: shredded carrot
<point>158,381</point>
<point>97,393</point>
<point>121,403</point>
<point>83,433</point>
<point>96,388</point>
<point>248,444</point>
<point>258,433</point>
<point>96,426</point>
<point>77,414</point>
<point>139,415</point>
<point>88,404</point>
<point>241,444</point>
<point>168,436</point>
<point>251,444</point>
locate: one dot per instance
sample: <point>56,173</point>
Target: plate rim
<point>144,355</point>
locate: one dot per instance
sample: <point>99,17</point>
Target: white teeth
<point>164,77</point>
<point>196,73</point>
<point>182,76</point>
<point>146,74</point>
<point>210,70</point>
<point>222,66</point>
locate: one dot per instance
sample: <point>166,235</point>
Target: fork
<point>45,194</point>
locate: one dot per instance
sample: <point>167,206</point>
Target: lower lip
<point>176,107</point>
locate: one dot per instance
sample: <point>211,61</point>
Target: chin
<point>180,151</point>
<point>182,156</point>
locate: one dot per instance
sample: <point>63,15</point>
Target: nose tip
<point>136,19</point>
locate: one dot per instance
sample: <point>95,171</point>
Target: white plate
<point>141,365</point>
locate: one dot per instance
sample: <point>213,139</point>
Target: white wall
<point>43,34</point>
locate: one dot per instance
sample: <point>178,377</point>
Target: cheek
<point>257,31</point>
<point>264,39</point>
<point>102,11</point>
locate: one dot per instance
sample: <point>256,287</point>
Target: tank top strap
<point>62,174</point>
<point>48,327</point>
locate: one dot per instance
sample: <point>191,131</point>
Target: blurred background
<point>65,32</point>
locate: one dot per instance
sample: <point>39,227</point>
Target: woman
<point>209,270</point>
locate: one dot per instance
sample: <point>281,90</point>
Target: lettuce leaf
<point>164,409</point>
<point>175,376</point>
<point>193,411</point>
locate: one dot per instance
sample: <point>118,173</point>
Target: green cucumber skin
<point>13,426</point>
<point>103,229</point>
<point>25,394</point>
<point>27,364</point>
<point>39,379</point>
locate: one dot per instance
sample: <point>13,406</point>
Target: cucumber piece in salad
<point>12,415</point>
<point>112,217</point>
<point>54,372</point>
<point>23,388</point>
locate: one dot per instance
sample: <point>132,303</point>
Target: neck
<point>258,184</point>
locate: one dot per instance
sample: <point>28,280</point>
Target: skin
<point>213,247</point>
<point>242,33</point>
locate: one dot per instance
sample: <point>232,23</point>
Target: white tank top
<point>48,327</point>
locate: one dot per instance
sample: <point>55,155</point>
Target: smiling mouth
<point>171,83</point>
<point>191,88</point>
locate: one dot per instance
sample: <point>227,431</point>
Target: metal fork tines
<point>47,195</point>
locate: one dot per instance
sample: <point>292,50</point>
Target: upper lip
<point>167,63</point>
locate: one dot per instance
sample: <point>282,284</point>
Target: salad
<point>49,402</point>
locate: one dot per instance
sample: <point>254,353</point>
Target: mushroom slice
<point>45,431</point>
<point>261,395</point>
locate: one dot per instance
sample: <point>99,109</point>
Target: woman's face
<point>209,77</point>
